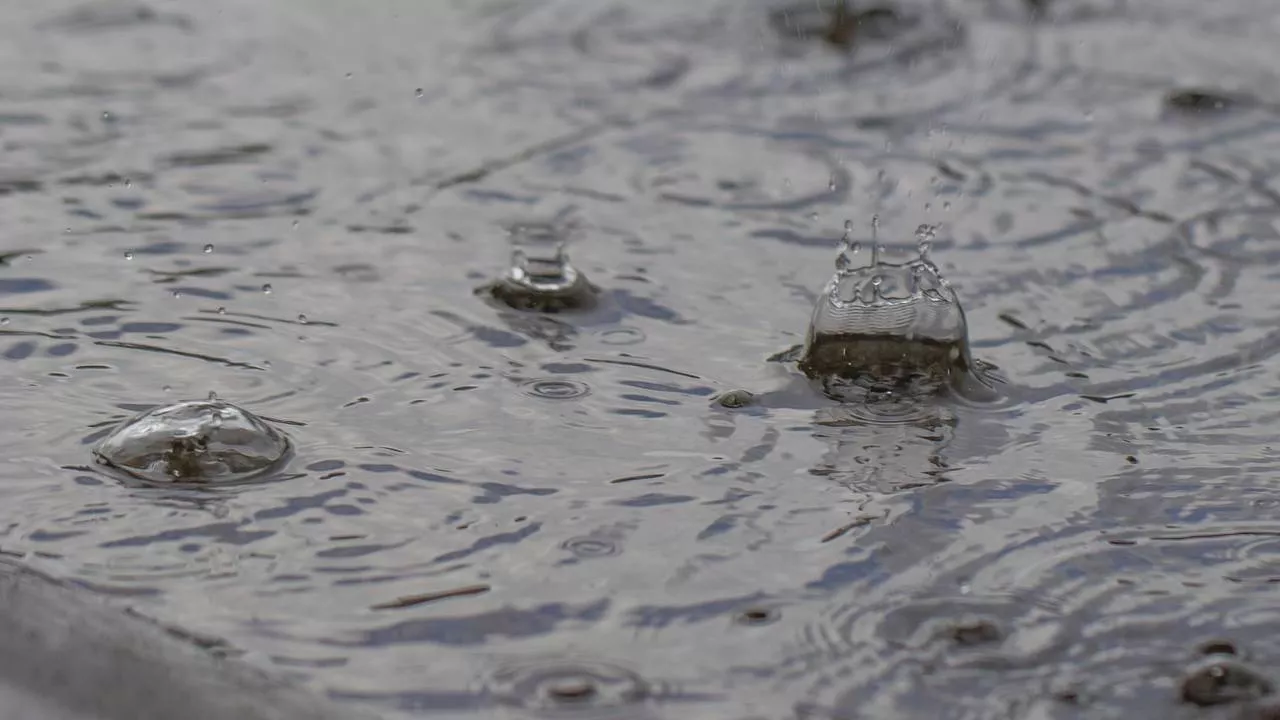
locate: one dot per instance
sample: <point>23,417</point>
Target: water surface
<point>292,203</point>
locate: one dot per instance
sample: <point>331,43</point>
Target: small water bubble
<point>302,319</point>
<point>267,289</point>
<point>128,255</point>
<point>208,248</point>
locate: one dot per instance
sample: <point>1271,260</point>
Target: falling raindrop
<point>208,249</point>
<point>925,234</point>
<point>4,321</point>
<point>222,310</point>
<point>128,255</point>
<point>418,92</point>
<point>177,293</point>
<point>267,289</point>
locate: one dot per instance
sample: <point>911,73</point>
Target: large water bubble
<point>194,442</point>
<point>543,284</point>
<point>889,328</point>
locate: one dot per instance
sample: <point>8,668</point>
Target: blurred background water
<point>291,202</point>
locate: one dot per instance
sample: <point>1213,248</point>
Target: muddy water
<point>292,203</point>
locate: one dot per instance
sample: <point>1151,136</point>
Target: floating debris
<point>541,284</point>
<point>412,600</point>
<point>1221,679</point>
<point>195,442</point>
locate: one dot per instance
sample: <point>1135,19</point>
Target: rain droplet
<point>267,289</point>
<point>302,318</point>
<point>4,321</point>
<point>167,388</point>
<point>831,184</point>
<point>924,238</point>
<point>418,92</point>
<point>106,116</point>
<point>208,249</point>
<point>222,310</point>
<point>128,255</point>
<point>197,441</point>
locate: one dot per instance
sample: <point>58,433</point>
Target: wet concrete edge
<point>66,654</point>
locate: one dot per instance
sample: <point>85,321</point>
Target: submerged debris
<point>197,442</point>
<point>838,22</point>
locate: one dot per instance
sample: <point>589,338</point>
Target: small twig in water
<point>411,600</point>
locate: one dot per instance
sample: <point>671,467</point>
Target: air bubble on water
<point>302,319</point>
<point>266,289</point>
<point>128,255</point>
<point>208,248</point>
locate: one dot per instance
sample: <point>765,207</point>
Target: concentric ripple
<point>555,389</point>
<point>569,687</point>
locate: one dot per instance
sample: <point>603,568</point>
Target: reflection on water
<point>562,496</point>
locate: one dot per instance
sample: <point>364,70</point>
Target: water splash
<point>543,284</point>
<point>194,442</point>
<point>887,326</point>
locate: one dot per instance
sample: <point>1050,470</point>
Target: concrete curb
<point>66,654</point>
